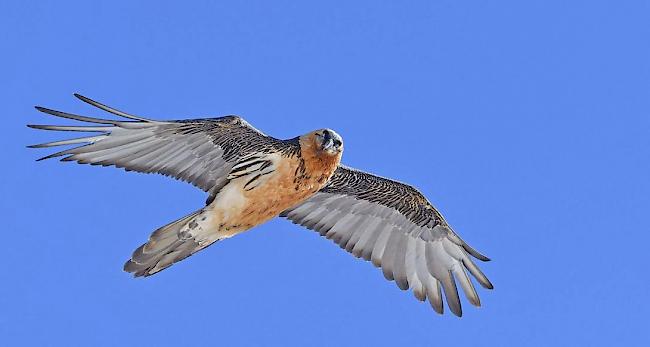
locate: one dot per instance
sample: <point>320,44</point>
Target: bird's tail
<point>172,243</point>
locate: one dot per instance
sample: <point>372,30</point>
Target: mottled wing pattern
<point>394,226</point>
<point>199,151</point>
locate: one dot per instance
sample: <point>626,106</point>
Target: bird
<point>251,178</point>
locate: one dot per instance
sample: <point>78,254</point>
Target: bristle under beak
<point>331,142</point>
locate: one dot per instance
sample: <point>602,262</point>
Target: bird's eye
<point>337,143</point>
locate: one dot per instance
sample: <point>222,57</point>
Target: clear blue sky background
<point>526,122</point>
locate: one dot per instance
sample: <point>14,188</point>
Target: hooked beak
<point>332,142</point>
<point>329,144</point>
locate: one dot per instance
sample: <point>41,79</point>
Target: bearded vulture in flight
<point>252,177</point>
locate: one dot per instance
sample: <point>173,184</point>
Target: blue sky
<point>525,122</point>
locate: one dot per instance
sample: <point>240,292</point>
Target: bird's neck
<point>321,165</point>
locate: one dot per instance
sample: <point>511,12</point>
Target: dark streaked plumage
<point>252,177</point>
<point>198,151</point>
<point>394,226</point>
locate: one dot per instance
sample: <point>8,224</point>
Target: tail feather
<point>170,244</point>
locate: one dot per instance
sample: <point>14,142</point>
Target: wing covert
<point>394,226</point>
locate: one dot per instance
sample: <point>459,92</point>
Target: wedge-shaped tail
<point>175,242</point>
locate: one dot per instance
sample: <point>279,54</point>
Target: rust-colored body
<point>293,180</point>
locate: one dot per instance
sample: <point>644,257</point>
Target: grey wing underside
<point>394,226</point>
<point>200,151</point>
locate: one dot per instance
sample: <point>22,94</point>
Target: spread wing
<point>200,151</point>
<point>394,226</point>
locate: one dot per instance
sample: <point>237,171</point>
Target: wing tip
<point>80,97</point>
<point>47,156</point>
<point>42,109</point>
<point>437,306</point>
<point>110,109</point>
<point>476,254</point>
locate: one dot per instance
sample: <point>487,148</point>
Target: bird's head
<point>326,141</point>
